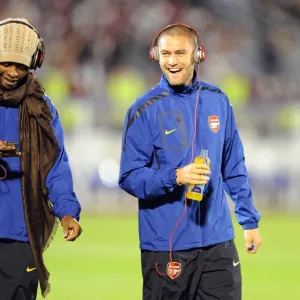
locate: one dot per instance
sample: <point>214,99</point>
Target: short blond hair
<point>179,30</point>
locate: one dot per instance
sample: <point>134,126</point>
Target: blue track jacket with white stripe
<point>157,139</point>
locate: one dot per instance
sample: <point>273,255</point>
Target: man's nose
<point>172,60</point>
<point>12,71</point>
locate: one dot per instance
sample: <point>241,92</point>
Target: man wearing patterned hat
<point>36,187</point>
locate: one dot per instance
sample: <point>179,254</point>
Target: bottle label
<point>197,189</point>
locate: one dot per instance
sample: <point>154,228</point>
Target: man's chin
<point>175,82</point>
<point>8,87</point>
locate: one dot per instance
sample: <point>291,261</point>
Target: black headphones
<point>38,56</point>
<point>199,53</point>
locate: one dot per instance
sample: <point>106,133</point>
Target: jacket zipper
<point>5,123</point>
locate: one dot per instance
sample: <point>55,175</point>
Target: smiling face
<point>11,74</point>
<point>176,58</point>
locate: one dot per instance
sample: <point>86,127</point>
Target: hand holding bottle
<point>193,174</point>
<point>196,175</point>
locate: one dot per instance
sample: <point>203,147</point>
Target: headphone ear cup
<point>151,54</point>
<point>154,54</point>
<point>199,55</point>
<point>41,54</point>
<point>34,60</point>
<point>38,56</point>
<point>202,54</point>
<point>40,59</point>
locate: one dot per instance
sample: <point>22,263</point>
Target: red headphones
<point>199,53</point>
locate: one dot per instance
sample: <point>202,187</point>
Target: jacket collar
<point>182,89</point>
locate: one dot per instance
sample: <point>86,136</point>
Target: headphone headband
<point>23,23</point>
<point>199,54</point>
<point>174,25</point>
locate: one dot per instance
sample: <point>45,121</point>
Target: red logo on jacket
<point>173,269</point>
<point>214,123</point>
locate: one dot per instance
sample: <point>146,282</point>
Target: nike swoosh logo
<point>170,131</point>
<point>235,263</point>
<point>30,269</point>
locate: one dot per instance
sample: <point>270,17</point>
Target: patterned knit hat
<point>18,42</point>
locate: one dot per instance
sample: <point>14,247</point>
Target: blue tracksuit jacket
<point>157,139</point>
<point>59,180</point>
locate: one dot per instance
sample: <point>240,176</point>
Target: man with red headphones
<point>36,186</point>
<point>187,244</point>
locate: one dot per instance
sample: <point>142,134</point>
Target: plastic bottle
<point>195,191</point>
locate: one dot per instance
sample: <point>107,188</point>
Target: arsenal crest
<point>173,269</point>
<point>214,123</point>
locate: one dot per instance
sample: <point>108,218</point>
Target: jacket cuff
<point>75,213</point>
<point>250,226</point>
<point>169,180</point>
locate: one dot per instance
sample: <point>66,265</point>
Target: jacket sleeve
<point>136,176</point>
<point>235,176</point>
<point>59,180</point>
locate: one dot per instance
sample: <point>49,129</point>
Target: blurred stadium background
<point>96,66</point>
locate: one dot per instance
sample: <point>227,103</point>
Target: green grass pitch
<point>104,264</point>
